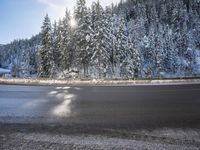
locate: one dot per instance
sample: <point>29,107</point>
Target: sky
<point>23,18</point>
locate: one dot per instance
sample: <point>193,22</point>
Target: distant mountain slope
<point>16,53</point>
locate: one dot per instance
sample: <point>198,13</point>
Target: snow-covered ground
<point>159,139</point>
<point>97,82</point>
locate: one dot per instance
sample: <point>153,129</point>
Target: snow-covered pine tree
<point>197,30</point>
<point>46,51</point>
<point>25,62</point>
<point>163,12</point>
<point>138,28</point>
<point>100,55</point>
<point>132,60</point>
<point>57,55</point>
<point>148,51</point>
<point>179,20</point>
<point>121,50</point>
<point>84,36</point>
<point>158,52</point>
<point>65,39</point>
<point>109,35</point>
<point>153,15</point>
<point>60,44</point>
<point>170,51</point>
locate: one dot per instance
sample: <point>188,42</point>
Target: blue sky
<point>23,18</point>
<point>19,19</point>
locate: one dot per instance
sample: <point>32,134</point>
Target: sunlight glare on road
<point>53,92</point>
<point>64,109</point>
<point>62,88</point>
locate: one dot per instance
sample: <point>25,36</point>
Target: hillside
<point>135,39</point>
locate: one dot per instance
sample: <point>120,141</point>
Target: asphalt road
<point>135,106</point>
<point>117,111</point>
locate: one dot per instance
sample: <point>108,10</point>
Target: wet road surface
<point>120,111</point>
<point>136,106</point>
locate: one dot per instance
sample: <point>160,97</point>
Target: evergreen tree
<point>66,42</point>
<point>100,54</point>
<point>57,55</point>
<point>121,50</point>
<point>170,51</point>
<point>125,40</point>
<point>25,62</point>
<point>110,38</point>
<point>84,36</point>
<point>46,51</point>
<point>132,61</point>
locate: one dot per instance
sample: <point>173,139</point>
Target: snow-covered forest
<point>134,39</point>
